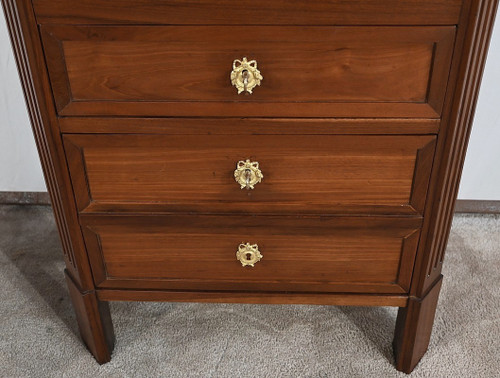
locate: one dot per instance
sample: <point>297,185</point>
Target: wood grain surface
<point>378,68</point>
<point>311,174</point>
<point>248,126</point>
<point>262,297</point>
<point>148,66</point>
<point>250,12</point>
<point>300,253</point>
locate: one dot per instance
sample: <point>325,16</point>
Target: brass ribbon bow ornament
<point>245,76</point>
<point>248,174</point>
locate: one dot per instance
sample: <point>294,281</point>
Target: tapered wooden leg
<point>94,322</point>
<point>413,329</point>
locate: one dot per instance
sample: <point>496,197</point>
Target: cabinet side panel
<point>473,37</point>
<point>31,66</point>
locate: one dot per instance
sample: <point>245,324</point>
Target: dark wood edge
<point>78,173</point>
<point>96,257</point>
<point>113,283</point>
<point>440,67</point>
<point>57,70</point>
<point>477,206</point>
<point>248,109</point>
<point>94,320</point>
<point>271,13</point>
<point>254,298</point>
<point>421,176</point>
<point>408,251</point>
<point>30,60</point>
<point>242,126</point>
<point>472,40</point>
<point>43,198</point>
<point>234,208</point>
<point>414,328</point>
<point>24,198</point>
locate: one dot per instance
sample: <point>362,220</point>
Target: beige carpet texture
<point>39,336</point>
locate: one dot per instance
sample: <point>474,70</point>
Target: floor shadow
<point>377,324</point>
<point>29,239</point>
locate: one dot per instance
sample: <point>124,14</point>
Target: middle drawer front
<point>318,174</point>
<point>186,252</point>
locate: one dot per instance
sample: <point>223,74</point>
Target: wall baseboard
<point>24,198</point>
<point>477,206</point>
<point>42,198</point>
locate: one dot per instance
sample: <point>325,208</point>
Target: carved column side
<point>29,56</point>
<point>473,35</point>
<point>414,322</point>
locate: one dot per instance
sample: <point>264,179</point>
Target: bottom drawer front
<point>299,254</point>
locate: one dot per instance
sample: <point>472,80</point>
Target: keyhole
<point>249,256</point>
<point>248,177</point>
<point>244,74</point>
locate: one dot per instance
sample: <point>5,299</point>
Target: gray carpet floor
<point>39,337</point>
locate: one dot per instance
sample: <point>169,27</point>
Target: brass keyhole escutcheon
<point>248,254</point>
<point>248,174</point>
<point>245,76</point>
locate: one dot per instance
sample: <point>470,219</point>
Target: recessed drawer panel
<point>304,71</point>
<point>284,173</point>
<point>288,253</point>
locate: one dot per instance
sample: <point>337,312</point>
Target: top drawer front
<point>308,71</point>
<point>251,12</point>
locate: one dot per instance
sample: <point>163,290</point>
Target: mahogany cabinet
<point>302,152</point>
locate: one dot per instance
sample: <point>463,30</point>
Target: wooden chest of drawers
<point>253,151</point>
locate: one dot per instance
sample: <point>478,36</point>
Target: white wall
<point>481,174</point>
<point>20,168</point>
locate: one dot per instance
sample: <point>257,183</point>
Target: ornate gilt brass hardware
<point>248,254</point>
<point>248,174</point>
<point>245,76</point>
